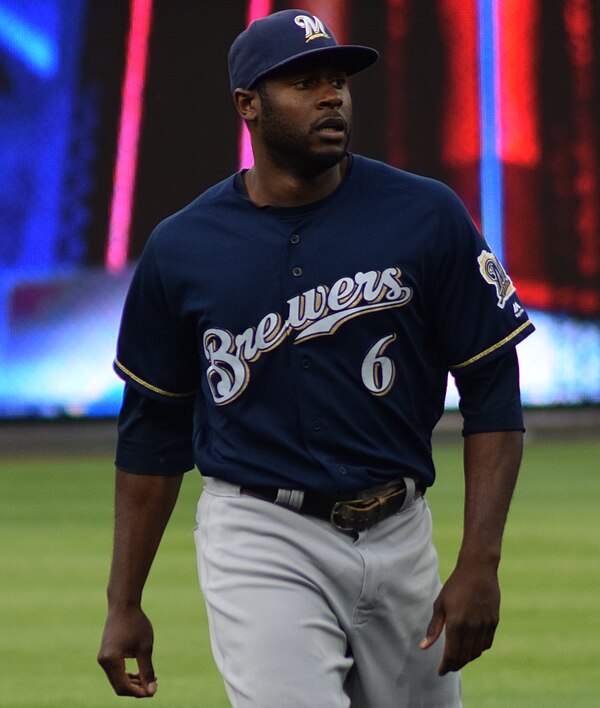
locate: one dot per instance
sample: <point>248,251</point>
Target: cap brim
<point>353,57</point>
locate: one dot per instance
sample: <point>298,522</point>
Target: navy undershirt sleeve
<point>490,398</point>
<point>154,437</point>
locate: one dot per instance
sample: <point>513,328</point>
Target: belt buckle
<point>342,523</point>
<point>364,513</point>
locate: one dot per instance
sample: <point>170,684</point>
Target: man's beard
<point>290,150</point>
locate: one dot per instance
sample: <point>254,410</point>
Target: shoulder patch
<point>493,273</point>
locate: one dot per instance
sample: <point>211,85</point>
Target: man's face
<point>305,117</point>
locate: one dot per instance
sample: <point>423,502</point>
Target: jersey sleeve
<point>156,350</point>
<point>477,315</point>
<point>490,399</point>
<point>154,438</point>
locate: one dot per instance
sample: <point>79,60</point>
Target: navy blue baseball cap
<point>284,37</point>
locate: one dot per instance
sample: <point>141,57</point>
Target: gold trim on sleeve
<point>149,386</point>
<point>493,348</point>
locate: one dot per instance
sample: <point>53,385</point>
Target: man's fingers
<point>464,644</point>
<point>481,642</point>
<point>123,684</point>
<point>146,674</point>
<point>457,650</point>
<point>489,637</point>
<point>434,629</point>
<point>114,670</point>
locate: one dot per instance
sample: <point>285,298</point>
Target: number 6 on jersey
<point>378,372</point>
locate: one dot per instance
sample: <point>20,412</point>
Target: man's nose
<point>331,97</point>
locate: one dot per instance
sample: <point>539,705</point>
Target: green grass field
<point>55,540</point>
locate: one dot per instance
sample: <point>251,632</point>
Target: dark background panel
<point>190,130</point>
<point>367,26</point>
<point>101,76</point>
<point>189,136</point>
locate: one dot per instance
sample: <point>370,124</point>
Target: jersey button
<point>296,272</point>
<point>306,363</point>
<point>295,239</point>
<point>317,425</point>
<point>342,470</point>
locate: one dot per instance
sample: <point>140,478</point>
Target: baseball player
<point>290,333</point>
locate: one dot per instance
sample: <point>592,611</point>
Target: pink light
<point>518,136</point>
<point>129,132</point>
<point>256,10</point>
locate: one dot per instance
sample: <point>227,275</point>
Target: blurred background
<point>114,114</point>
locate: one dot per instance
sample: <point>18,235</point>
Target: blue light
<point>491,164</point>
<point>38,51</point>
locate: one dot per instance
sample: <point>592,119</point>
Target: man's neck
<point>269,186</point>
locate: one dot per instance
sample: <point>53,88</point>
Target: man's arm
<point>143,506</point>
<point>468,604</point>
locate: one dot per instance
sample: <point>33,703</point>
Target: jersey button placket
<point>295,240</point>
<point>315,426</point>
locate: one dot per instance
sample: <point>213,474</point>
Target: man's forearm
<point>143,506</point>
<point>469,603</point>
<point>491,463</point>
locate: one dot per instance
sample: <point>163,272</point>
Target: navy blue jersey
<point>317,352</point>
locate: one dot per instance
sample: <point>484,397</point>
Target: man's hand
<point>143,504</point>
<point>468,606</point>
<point>128,634</point>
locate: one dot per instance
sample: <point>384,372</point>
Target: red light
<point>461,129</point>
<point>578,15</point>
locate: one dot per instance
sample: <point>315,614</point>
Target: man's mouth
<point>334,127</point>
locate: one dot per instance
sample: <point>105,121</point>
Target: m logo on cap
<point>312,26</point>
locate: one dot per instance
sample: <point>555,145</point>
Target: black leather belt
<point>355,513</point>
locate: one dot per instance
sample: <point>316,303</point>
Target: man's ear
<point>246,101</point>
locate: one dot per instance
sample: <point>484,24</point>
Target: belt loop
<point>291,498</point>
<point>409,497</point>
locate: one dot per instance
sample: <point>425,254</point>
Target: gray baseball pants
<point>302,615</point>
